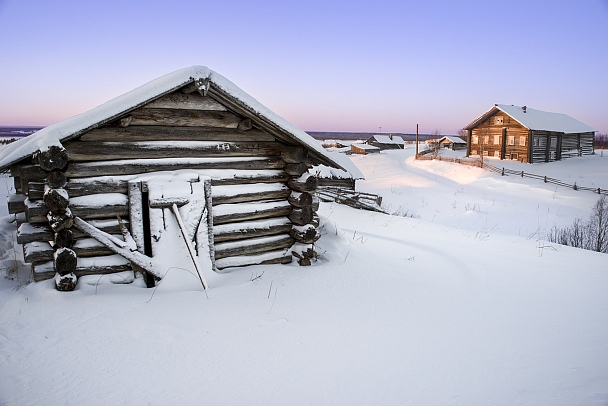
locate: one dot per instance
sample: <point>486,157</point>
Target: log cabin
<point>386,141</point>
<point>188,152</point>
<point>528,135</point>
<point>453,143</point>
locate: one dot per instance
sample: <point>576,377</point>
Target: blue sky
<point>324,66</point>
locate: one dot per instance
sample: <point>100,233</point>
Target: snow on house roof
<point>453,140</point>
<point>107,112</point>
<point>385,139</point>
<point>351,171</point>
<point>365,146</point>
<point>534,119</point>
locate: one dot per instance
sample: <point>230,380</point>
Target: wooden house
<point>453,143</point>
<point>189,153</point>
<point>364,149</point>
<point>528,135</point>
<point>386,142</point>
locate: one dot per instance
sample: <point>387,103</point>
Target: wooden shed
<point>528,135</point>
<point>187,156</point>
<point>386,142</point>
<point>453,143</point>
<point>363,149</point>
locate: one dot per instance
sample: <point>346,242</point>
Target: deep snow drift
<point>460,301</point>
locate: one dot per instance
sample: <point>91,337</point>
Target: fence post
<point>574,187</point>
<point>599,191</point>
<point>522,174</point>
<point>545,179</point>
<point>503,171</point>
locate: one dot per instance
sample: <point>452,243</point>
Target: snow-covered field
<point>457,299</point>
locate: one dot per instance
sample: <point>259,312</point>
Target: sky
<point>381,66</point>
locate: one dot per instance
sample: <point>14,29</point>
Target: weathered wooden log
<point>64,238</point>
<point>296,169</point>
<point>300,199</point>
<point>271,257</point>
<point>66,283</point>
<point>102,151</point>
<point>86,266</point>
<point>42,232</point>
<point>301,216</point>
<point>36,212</point>
<point>56,200</point>
<point>316,202</point>
<point>305,256</point>
<point>189,118</point>
<point>56,179</point>
<point>125,121</point>
<point>305,183</point>
<point>254,211</point>
<point>65,261</point>
<point>53,158</point>
<point>60,221</point>
<point>294,155</point>
<point>16,203</point>
<point>252,246</point>
<point>163,133</point>
<point>251,229</point>
<point>129,167</point>
<point>251,197</point>
<point>245,124</point>
<point>306,234</point>
<point>183,101</point>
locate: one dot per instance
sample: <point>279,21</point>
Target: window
<point>522,140</point>
<point>497,140</point>
<point>497,154</point>
<point>473,152</point>
<point>486,139</point>
<point>498,120</point>
<point>511,140</point>
<point>474,139</point>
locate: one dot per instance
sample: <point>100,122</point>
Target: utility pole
<point>416,141</point>
<point>380,128</point>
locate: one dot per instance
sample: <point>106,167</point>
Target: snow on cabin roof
<point>107,112</point>
<point>385,139</point>
<point>534,119</point>
<point>453,140</point>
<point>351,171</point>
<point>365,146</point>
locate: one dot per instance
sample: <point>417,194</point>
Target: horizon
<point>323,67</point>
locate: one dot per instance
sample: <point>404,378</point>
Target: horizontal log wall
<point>492,128</point>
<point>180,131</point>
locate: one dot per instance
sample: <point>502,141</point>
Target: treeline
<point>601,141</point>
<point>4,141</point>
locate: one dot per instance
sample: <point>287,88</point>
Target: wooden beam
<point>251,196</point>
<point>271,257</point>
<point>16,203</point>
<point>165,133</point>
<point>187,118</point>
<point>254,211</point>
<point>253,246</point>
<point>131,167</point>
<point>250,229</point>
<point>100,266</point>
<point>36,212</point>
<point>186,101</point>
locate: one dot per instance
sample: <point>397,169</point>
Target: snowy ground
<point>457,300</point>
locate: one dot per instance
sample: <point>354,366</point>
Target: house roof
<point>385,139</point>
<point>534,119</point>
<point>77,125</point>
<point>365,146</point>
<point>453,140</point>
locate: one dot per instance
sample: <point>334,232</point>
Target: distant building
<point>528,135</point>
<point>453,143</point>
<point>363,149</point>
<point>386,141</point>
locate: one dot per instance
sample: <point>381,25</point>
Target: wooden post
<point>416,157</point>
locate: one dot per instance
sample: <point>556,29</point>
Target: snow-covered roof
<point>351,171</point>
<point>453,140</point>
<point>534,119</point>
<point>365,146</point>
<point>75,126</point>
<point>385,139</point>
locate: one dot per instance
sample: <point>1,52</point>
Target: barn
<point>528,135</point>
<point>453,143</point>
<point>187,165</point>
<point>386,141</point>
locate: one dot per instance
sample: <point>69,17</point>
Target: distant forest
<point>329,135</point>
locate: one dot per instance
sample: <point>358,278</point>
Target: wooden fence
<point>506,172</point>
<point>358,200</point>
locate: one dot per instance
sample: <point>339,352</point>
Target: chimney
<point>524,108</point>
